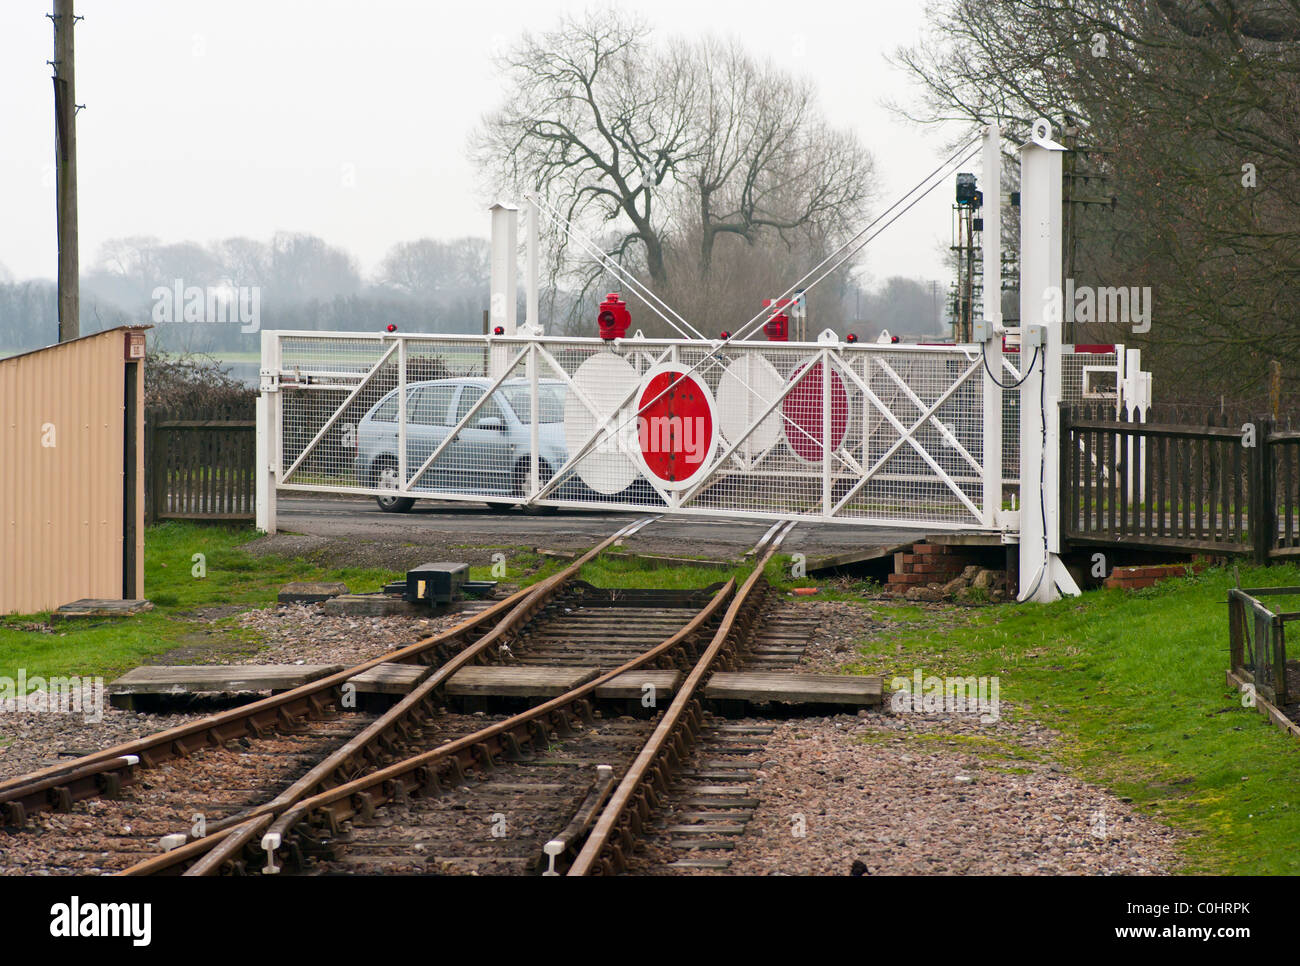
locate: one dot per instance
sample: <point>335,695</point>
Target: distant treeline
<point>216,298</point>
<point>300,282</point>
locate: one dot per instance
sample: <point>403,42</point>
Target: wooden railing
<point>201,470</point>
<point>1221,489</point>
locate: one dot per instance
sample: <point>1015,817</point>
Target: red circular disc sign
<point>674,426</point>
<point>802,408</point>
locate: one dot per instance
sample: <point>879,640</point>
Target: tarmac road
<point>431,523</point>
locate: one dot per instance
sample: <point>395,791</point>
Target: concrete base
<point>1055,583</point>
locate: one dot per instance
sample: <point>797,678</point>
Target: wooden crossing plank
<point>218,678</point>
<point>518,682</point>
<point>101,607</point>
<point>792,688</point>
<point>389,678</point>
<point>631,684</point>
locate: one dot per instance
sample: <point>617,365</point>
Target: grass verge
<point>230,576</point>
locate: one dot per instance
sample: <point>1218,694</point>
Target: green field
<point>109,646</point>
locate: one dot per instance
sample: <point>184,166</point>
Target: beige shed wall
<point>61,505</point>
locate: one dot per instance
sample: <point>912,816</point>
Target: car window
<point>550,403</point>
<point>489,410</point>
<point>430,404</point>
<point>387,411</point>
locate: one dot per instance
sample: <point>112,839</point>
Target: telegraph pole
<point>65,160</point>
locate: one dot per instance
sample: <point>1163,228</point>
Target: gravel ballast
<point>292,634</point>
<point>897,793</point>
<point>909,794</point>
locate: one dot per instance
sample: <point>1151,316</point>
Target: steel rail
<point>424,771</point>
<point>404,718</point>
<point>606,848</point>
<point>104,772</point>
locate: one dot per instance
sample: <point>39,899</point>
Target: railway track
<point>425,787</point>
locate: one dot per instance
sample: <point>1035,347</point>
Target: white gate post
<point>827,420</point>
<point>505,257</point>
<point>534,428</point>
<point>992,435</point>
<point>1043,576</point>
<point>404,481</point>
<point>267,449</point>
<point>532,315</point>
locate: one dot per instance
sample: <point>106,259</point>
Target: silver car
<point>490,455</point>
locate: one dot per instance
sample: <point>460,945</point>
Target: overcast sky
<point>349,118</point>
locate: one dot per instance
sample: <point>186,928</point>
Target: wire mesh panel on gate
<point>882,434</point>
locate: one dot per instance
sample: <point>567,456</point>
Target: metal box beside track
<point>436,583</point>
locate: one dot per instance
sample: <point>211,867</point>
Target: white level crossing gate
<point>872,434</point>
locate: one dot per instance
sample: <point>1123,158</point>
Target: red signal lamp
<point>614,318</point>
<point>499,330</point>
<point>391,327</point>
<point>724,334</point>
<point>777,328</point>
<point>851,337</point>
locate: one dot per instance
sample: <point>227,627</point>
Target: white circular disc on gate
<point>745,391</point>
<point>604,381</point>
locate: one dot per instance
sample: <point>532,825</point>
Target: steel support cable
<point>640,290</point>
<point>709,357</point>
<point>940,172</point>
<point>865,241</point>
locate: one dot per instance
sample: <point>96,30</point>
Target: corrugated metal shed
<point>72,473</point>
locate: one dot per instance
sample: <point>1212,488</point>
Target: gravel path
<point>842,625</point>
<point>908,794</point>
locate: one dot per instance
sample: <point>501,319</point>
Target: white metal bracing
<point>556,421</point>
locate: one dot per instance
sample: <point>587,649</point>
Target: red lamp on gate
<point>777,328</point>
<point>614,318</point>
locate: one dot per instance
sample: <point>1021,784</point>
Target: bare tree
<point>661,150</point>
<point>596,122</point>
<point>1187,112</point>
<point>765,158</point>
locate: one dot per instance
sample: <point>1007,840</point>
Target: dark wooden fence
<point>1209,488</point>
<point>201,470</point>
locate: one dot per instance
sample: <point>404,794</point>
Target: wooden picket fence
<point>1227,485</point>
<point>200,470</point>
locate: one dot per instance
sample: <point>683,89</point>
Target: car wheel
<point>384,476</point>
<point>523,472</point>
